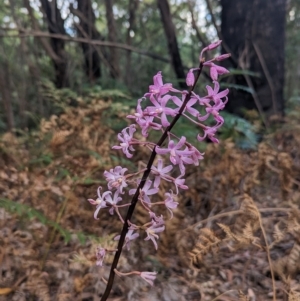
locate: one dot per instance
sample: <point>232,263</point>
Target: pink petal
<point>214,73</point>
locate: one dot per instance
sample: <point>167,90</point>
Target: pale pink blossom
<point>160,172</point>
<point>126,138</point>
<point>129,237</point>
<point>215,70</point>
<point>159,220</point>
<point>215,95</point>
<point>146,123</point>
<point>158,87</point>
<point>152,230</point>
<point>196,155</point>
<point>112,201</point>
<point>154,112</point>
<point>170,202</point>
<point>177,155</point>
<point>149,277</point>
<point>116,179</point>
<point>146,192</point>
<point>179,183</point>
<point>160,109</point>
<point>210,133</point>
<point>99,202</point>
<point>100,254</point>
<point>139,112</point>
<point>189,106</point>
<point>218,104</point>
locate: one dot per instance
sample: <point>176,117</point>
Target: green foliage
<point>238,87</point>
<point>31,67</point>
<point>98,92</point>
<point>123,161</point>
<point>242,72</point>
<point>2,124</point>
<point>31,70</point>
<point>61,174</point>
<point>293,110</point>
<point>59,98</point>
<point>292,48</point>
<point>292,105</point>
<point>243,133</point>
<point>42,160</point>
<point>29,213</point>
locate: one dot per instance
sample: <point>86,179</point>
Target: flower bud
<point>214,45</point>
<point>190,78</point>
<point>223,57</point>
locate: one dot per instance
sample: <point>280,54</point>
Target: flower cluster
<point>157,111</point>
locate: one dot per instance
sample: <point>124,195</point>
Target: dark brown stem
<point>141,185</point>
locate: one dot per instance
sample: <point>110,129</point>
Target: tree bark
<point>112,37</point>
<point>170,33</point>
<point>21,92</point>
<point>56,25</point>
<point>200,36</point>
<point>6,94</point>
<point>133,6</point>
<point>91,55</point>
<point>44,41</point>
<point>254,32</point>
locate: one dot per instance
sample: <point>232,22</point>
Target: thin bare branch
<point>249,82</point>
<point>37,33</point>
<point>213,19</point>
<point>268,255</point>
<point>199,35</point>
<point>268,76</point>
<point>35,25</point>
<point>235,212</point>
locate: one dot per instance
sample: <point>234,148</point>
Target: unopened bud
<point>190,78</point>
<point>214,45</point>
<point>223,57</point>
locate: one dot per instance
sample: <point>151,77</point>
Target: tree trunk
<point>132,8</point>
<point>254,32</point>
<point>5,94</point>
<point>91,55</point>
<point>169,28</point>
<point>56,25</point>
<point>23,54</point>
<point>112,37</point>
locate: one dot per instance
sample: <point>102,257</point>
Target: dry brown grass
<point>237,226</point>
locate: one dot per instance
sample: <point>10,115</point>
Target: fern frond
<point>248,232</point>
<point>249,208</point>
<point>243,297</point>
<point>278,235</point>
<point>228,232</point>
<point>207,241</point>
<point>294,296</point>
<point>293,260</point>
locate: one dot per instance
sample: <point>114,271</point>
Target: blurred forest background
<point>71,71</point>
<point>104,47</point>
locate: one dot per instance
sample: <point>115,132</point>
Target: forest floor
<point>234,236</point>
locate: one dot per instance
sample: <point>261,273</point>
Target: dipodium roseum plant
<point>167,105</point>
